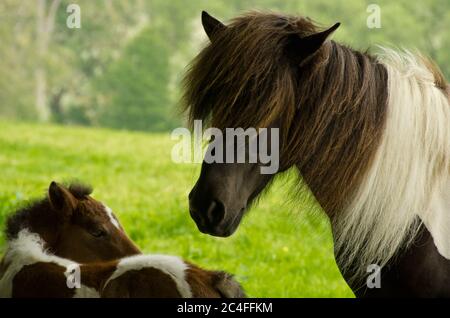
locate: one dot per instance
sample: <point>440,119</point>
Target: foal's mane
<point>39,213</point>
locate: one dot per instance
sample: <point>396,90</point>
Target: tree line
<point>122,68</point>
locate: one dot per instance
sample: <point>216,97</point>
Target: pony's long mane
<point>411,163</point>
<point>369,134</point>
<point>242,78</point>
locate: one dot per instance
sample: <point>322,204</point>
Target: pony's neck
<point>342,110</point>
<point>377,147</point>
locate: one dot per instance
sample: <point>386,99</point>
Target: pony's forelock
<point>243,78</point>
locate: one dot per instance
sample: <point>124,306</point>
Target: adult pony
<point>370,135</point>
<point>70,245</point>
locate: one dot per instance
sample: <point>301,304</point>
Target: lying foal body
<point>86,253</point>
<point>29,271</point>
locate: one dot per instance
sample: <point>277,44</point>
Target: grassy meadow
<point>280,250</point>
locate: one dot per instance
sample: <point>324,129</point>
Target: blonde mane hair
<point>412,161</point>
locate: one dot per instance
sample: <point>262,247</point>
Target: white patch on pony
<point>170,265</point>
<point>406,175</point>
<point>110,214</point>
<point>28,249</point>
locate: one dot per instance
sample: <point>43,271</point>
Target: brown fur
<point>330,108</point>
<point>41,280</point>
<point>212,284</point>
<point>62,228</point>
<point>47,280</point>
<point>340,119</point>
<point>202,282</point>
<point>144,283</point>
<point>97,274</point>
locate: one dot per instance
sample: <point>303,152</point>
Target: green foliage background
<point>122,69</point>
<point>282,249</point>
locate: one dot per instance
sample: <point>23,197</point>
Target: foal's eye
<point>97,233</point>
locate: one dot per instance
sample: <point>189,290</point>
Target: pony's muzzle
<point>209,217</point>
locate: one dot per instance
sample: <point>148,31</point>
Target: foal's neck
<point>342,110</point>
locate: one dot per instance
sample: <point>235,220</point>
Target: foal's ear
<point>301,48</point>
<point>60,198</point>
<point>211,25</point>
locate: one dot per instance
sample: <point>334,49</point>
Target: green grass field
<point>283,248</point>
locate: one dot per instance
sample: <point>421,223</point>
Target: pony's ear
<point>211,25</point>
<point>300,48</point>
<point>61,199</point>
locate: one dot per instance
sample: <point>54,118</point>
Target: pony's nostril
<point>207,215</point>
<point>216,212</point>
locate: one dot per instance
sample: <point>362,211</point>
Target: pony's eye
<point>97,233</point>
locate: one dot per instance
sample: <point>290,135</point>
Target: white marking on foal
<point>110,214</point>
<point>28,249</point>
<point>170,265</point>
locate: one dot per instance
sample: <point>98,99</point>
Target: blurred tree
<point>84,54</point>
<point>97,75</point>
<point>134,90</point>
<point>45,22</point>
<point>17,66</point>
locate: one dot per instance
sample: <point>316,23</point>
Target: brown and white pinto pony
<point>369,135</point>
<point>50,240</point>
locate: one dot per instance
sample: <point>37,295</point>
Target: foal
<point>70,245</point>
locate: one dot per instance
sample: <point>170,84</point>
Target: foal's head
<point>248,76</point>
<point>74,225</point>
